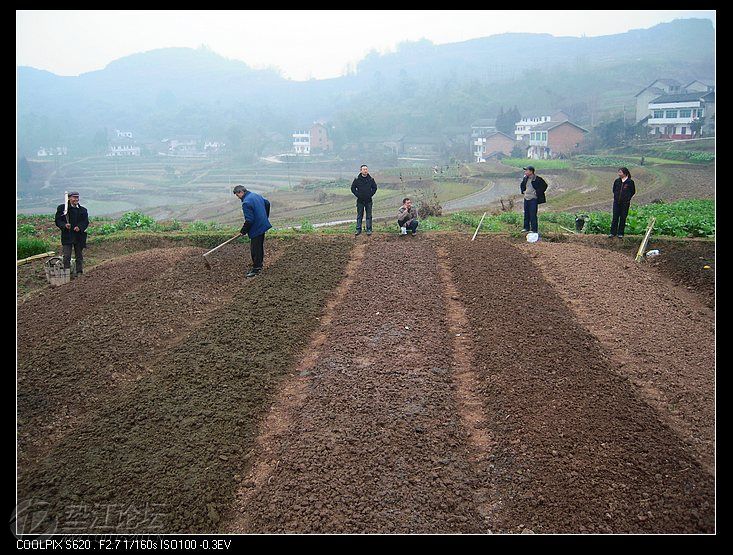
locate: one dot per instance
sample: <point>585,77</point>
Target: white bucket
<point>403,230</point>
<point>533,237</point>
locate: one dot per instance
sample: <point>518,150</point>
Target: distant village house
<point>52,151</point>
<point>652,91</point>
<point>122,148</point>
<point>673,116</point>
<point>554,139</point>
<point>670,110</point>
<point>189,146</point>
<point>523,127</point>
<point>482,127</point>
<point>314,140</point>
<point>494,145</point>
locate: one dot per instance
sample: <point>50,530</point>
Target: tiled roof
<point>682,97</point>
<point>499,133</point>
<point>552,124</point>
<point>672,82</point>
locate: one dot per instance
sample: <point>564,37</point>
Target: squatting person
<point>623,189</point>
<point>73,220</point>
<point>256,211</point>
<point>364,188</point>
<point>533,189</point>
<point>407,217</point>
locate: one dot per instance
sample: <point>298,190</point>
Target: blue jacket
<point>256,211</point>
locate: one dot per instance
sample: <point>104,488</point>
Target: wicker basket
<point>56,274</point>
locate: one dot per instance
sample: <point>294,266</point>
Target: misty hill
<point>421,88</point>
<point>508,55</point>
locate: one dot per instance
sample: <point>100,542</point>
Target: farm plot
<point>124,314</point>
<point>376,442</point>
<point>578,447</point>
<point>379,384</point>
<point>170,437</point>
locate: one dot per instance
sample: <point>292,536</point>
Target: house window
<point>671,114</point>
<point>658,114</point>
<point>544,135</point>
<point>684,130</point>
<point>686,113</point>
<point>700,113</point>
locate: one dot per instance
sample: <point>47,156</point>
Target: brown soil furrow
<point>468,386</point>
<point>115,342</point>
<point>378,445</point>
<point>577,448</point>
<point>660,337</point>
<point>54,310</point>
<point>289,399</point>
<point>171,443</point>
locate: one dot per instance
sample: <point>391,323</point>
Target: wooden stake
<point>34,257</point>
<point>639,254</point>
<point>477,227</point>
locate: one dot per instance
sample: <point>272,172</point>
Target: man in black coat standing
<point>623,189</point>
<point>72,219</point>
<point>364,188</point>
<point>533,189</point>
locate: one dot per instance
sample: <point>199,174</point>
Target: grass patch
<point>29,246</point>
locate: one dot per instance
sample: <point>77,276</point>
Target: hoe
<point>206,260</point>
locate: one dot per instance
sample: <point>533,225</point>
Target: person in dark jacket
<point>73,220</point>
<point>364,188</point>
<point>256,211</point>
<point>623,189</point>
<point>533,189</point>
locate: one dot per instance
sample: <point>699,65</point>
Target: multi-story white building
<point>302,142</point>
<point>53,151</point>
<point>523,127</point>
<point>652,91</point>
<point>183,145</point>
<point>671,116</point>
<point>123,149</point>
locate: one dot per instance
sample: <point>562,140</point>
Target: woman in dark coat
<point>623,190</point>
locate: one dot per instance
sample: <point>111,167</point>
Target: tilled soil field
<point>376,444</point>
<point>674,370</point>
<point>107,328</point>
<point>169,444</point>
<point>379,384</point>
<point>578,447</point>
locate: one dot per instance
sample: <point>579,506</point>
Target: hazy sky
<point>303,44</point>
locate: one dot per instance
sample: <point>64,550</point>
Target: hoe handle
<point>224,243</point>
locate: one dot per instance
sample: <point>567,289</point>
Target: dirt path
<point>577,446</point>
<point>659,335</point>
<point>377,444</point>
